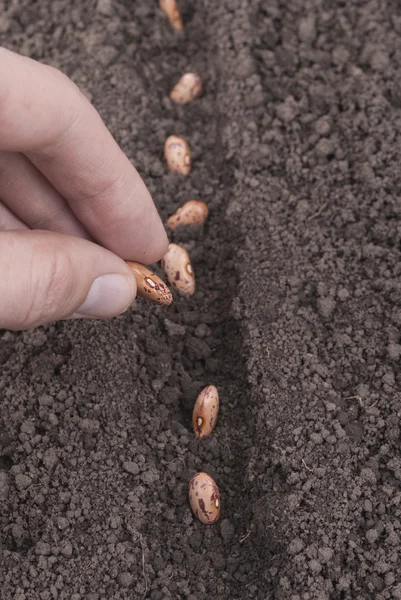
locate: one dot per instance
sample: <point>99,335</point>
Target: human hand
<point>61,171</point>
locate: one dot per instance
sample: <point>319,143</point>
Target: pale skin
<point>73,208</point>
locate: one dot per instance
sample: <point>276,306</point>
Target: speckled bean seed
<point>178,155</point>
<point>204,498</point>
<point>205,411</point>
<point>187,89</point>
<point>177,266</point>
<point>170,8</point>
<point>191,213</point>
<point>150,286</point>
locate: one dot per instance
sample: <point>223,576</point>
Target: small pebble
<point>104,7</point>
<point>66,550</point>
<point>22,481</point>
<point>307,29</point>
<point>131,467</point>
<point>125,579</point>
<point>372,535</point>
<point>296,546</point>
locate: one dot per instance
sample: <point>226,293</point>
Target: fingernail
<point>110,295</point>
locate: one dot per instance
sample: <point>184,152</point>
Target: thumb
<point>45,276</point>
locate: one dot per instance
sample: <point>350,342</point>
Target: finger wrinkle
<point>51,150</point>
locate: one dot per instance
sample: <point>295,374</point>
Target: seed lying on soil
<point>177,266</point>
<point>191,213</point>
<point>150,286</point>
<point>205,411</point>
<point>187,89</point>
<point>204,498</point>
<point>178,155</point>
<point>170,7</point>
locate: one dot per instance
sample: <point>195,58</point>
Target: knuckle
<point>108,185</point>
<point>71,118</point>
<point>58,283</point>
<point>63,80</point>
<point>51,287</point>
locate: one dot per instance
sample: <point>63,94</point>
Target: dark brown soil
<point>297,150</point>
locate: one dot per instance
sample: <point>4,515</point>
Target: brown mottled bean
<point>178,155</point>
<point>205,411</point>
<point>187,89</point>
<point>191,213</point>
<point>170,8</point>
<point>150,286</point>
<point>204,498</point>
<point>177,266</point>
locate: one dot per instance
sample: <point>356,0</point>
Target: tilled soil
<point>296,318</point>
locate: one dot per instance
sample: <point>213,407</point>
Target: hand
<point>61,171</point>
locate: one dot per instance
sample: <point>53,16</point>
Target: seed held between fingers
<point>206,409</point>
<point>178,155</point>
<point>204,498</point>
<point>150,286</point>
<point>191,213</point>
<point>187,89</point>
<point>170,8</point>
<point>177,266</point>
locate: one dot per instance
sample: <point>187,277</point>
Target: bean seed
<point>177,266</point>
<point>178,155</point>
<point>150,286</point>
<point>204,498</point>
<point>191,213</point>
<point>170,7</point>
<point>205,412</point>
<point>187,89</point>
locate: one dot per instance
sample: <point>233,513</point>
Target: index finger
<point>44,115</point>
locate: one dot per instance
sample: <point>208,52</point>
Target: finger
<point>43,114</point>
<point>46,276</point>
<point>8,221</point>
<point>33,199</point>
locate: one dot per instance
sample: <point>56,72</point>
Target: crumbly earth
<point>296,148</point>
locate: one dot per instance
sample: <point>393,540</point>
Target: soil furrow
<point>110,416</point>
<point>322,248</point>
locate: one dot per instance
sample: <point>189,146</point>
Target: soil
<point>296,148</point>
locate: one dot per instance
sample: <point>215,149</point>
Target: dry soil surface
<point>296,318</point>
